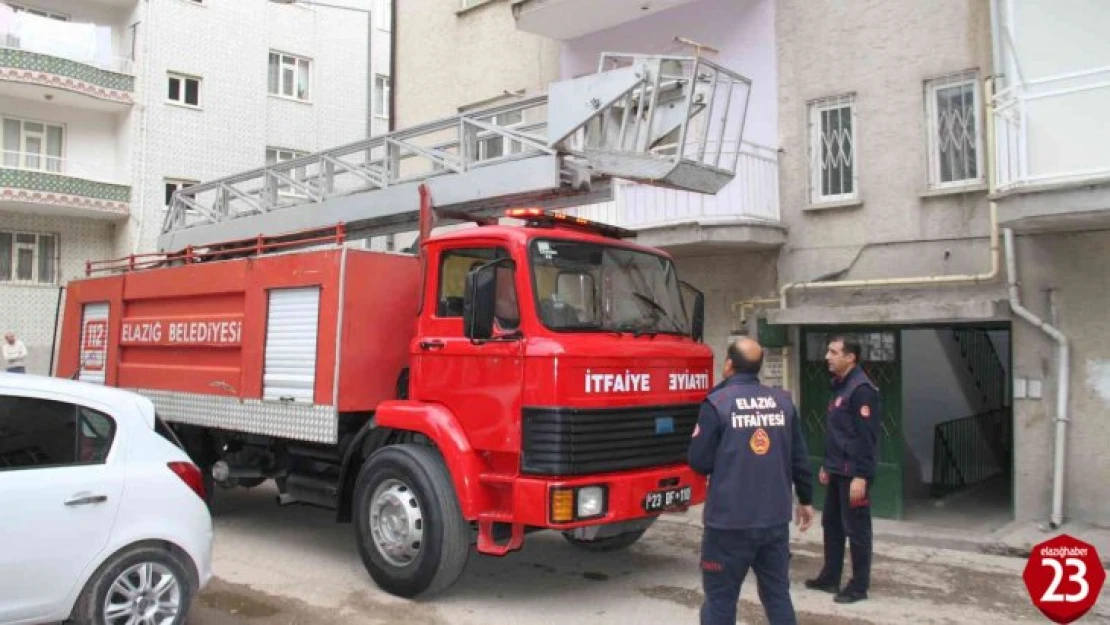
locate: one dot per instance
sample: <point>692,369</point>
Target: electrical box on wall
<point>772,335</point>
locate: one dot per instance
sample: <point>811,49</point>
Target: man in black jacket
<point>851,449</point>
<point>749,440</point>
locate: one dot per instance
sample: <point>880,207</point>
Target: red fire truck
<point>543,373</point>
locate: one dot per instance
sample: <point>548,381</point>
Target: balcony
<point>1052,167</point>
<point>744,216</point>
<point>69,64</point>
<point>570,19</point>
<point>46,185</point>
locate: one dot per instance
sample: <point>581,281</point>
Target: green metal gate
<point>882,360</point>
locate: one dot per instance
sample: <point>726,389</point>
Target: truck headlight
<point>591,502</point>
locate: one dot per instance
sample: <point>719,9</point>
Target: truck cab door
<point>481,383</point>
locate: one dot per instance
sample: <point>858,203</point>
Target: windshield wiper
<point>658,307</point>
<point>637,330</point>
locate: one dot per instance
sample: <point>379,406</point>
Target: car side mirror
<point>697,318</point>
<point>480,300</point>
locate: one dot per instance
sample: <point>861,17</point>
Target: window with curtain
<point>289,76</point>
<point>33,145</point>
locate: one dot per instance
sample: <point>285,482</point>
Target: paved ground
<point>285,566</point>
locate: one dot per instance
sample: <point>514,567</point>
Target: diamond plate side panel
<point>313,423</point>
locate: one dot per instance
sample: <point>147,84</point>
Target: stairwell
<point>977,447</point>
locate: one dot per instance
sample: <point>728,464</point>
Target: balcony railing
<point>42,179</point>
<point>751,196</point>
<point>67,55</point>
<point>1052,131</point>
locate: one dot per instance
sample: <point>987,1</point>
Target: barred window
<point>832,155</point>
<point>952,126</point>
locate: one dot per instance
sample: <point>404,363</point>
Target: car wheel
<point>609,543</point>
<point>410,530</point>
<point>144,585</point>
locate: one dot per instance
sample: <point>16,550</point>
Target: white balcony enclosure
<point>570,19</point>
<point>63,59</point>
<point>1052,167</point>
<point>742,216</point>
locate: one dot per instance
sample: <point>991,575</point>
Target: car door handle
<point>85,499</point>
<point>433,344</point>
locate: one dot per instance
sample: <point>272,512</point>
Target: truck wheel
<point>410,530</point>
<point>609,543</point>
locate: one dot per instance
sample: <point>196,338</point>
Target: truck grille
<point>568,441</point>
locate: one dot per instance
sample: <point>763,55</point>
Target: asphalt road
<point>295,565</point>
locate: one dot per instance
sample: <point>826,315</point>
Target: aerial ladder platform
<point>669,121</point>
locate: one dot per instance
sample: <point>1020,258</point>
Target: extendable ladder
<point>669,121</point>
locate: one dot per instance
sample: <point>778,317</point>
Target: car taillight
<point>190,474</point>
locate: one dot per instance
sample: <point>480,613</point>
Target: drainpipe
<point>989,276</point>
<point>1063,380</point>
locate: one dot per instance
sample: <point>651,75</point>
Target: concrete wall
<point>883,52</point>
<point>448,58</point>
<point>725,280</point>
<point>1072,267</point>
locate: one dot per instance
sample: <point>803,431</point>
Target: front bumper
<point>626,493</point>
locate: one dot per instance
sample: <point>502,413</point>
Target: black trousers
<point>841,519</point>
<point>726,557</point>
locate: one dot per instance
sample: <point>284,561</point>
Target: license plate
<point>667,499</point>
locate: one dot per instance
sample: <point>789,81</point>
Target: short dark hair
<point>740,364</point>
<point>851,345</point>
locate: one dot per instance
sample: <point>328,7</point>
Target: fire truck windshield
<point>592,287</point>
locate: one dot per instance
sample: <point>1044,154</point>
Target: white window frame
<point>817,150</point>
<point>384,15</point>
<point>34,10</point>
<point>297,60</point>
<point>382,88</point>
<point>184,78</point>
<point>280,156</point>
<point>178,184</point>
<point>35,260</point>
<point>45,158</point>
<point>932,128</point>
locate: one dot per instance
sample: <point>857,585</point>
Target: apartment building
<point>109,106</point>
<point>905,139</point>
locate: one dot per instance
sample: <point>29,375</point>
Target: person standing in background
<point>15,354</point>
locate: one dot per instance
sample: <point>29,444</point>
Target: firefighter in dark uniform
<point>848,470</point>
<point>749,441</point>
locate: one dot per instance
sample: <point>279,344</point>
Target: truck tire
<point>410,530</point>
<point>610,543</point>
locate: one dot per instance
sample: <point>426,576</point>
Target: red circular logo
<point>1064,577</point>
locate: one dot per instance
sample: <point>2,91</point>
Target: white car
<point>102,519</point>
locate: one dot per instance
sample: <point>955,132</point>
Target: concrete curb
<point>1016,540</point>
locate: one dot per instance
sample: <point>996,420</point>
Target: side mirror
<point>480,300</point>
<point>697,318</point>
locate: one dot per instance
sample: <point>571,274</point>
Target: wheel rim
<point>396,522</point>
<point>145,594</point>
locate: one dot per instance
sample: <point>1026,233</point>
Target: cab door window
<point>454,267</point>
